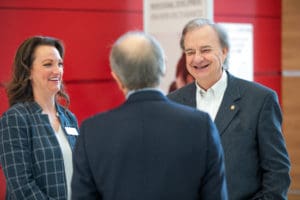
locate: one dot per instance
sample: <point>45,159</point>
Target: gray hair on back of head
<point>138,60</point>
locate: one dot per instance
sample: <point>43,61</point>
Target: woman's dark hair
<point>19,89</point>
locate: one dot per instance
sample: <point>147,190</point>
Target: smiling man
<point>247,115</point>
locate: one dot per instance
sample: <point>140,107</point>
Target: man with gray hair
<point>148,148</point>
<point>247,115</point>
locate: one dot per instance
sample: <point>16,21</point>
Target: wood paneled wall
<point>291,86</point>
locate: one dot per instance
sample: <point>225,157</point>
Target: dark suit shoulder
<point>185,95</point>
<point>252,88</point>
<point>182,91</point>
<point>186,109</point>
<point>126,111</point>
<point>98,117</point>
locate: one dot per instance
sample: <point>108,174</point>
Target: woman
<point>37,134</point>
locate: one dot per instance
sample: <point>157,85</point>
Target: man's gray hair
<point>139,64</point>
<point>200,22</point>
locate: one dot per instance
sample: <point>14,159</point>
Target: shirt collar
<point>217,89</point>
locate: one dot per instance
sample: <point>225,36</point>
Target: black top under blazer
<point>149,148</point>
<point>249,122</point>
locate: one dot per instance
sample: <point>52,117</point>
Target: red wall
<point>89,27</point>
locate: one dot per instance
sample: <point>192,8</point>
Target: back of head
<point>138,60</point>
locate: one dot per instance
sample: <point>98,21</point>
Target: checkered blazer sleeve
<point>16,157</point>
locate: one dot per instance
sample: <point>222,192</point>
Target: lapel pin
<point>232,107</point>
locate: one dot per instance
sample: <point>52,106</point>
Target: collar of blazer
<point>146,95</point>
<point>62,113</point>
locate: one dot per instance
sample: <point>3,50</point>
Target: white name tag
<point>71,131</point>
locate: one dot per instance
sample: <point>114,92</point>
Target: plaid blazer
<point>30,154</point>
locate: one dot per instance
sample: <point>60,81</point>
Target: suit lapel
<point>189,95</point>
<point>229,106</point>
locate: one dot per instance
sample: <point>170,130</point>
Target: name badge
<point>71,131</point>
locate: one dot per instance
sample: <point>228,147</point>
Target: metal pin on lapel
<point>232,107</point>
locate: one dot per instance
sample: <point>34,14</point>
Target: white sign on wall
<point>240,37</point>
<point>165,20</point>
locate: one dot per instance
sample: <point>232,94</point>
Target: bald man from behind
<point>148,148</point>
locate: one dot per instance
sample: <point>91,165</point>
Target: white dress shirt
<point>210,100</point>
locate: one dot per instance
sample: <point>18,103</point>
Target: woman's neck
<point>49,108</point>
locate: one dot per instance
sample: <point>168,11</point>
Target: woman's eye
<point>47,64</point>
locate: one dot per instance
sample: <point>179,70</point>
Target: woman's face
<point>46,72</point>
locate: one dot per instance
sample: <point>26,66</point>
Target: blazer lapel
<point>229,106</point>
<point>189,95</point>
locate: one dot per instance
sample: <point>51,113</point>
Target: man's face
<point>204,55</point>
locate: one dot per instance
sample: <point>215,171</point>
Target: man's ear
<point>225,53</point>
<point>119,82</point>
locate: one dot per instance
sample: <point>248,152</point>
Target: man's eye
<point>189,53</point>
<point>205,50</point>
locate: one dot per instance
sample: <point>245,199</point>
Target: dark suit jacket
<point>249,121</point>
<point>149,149</point>
<point>30,153</point>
